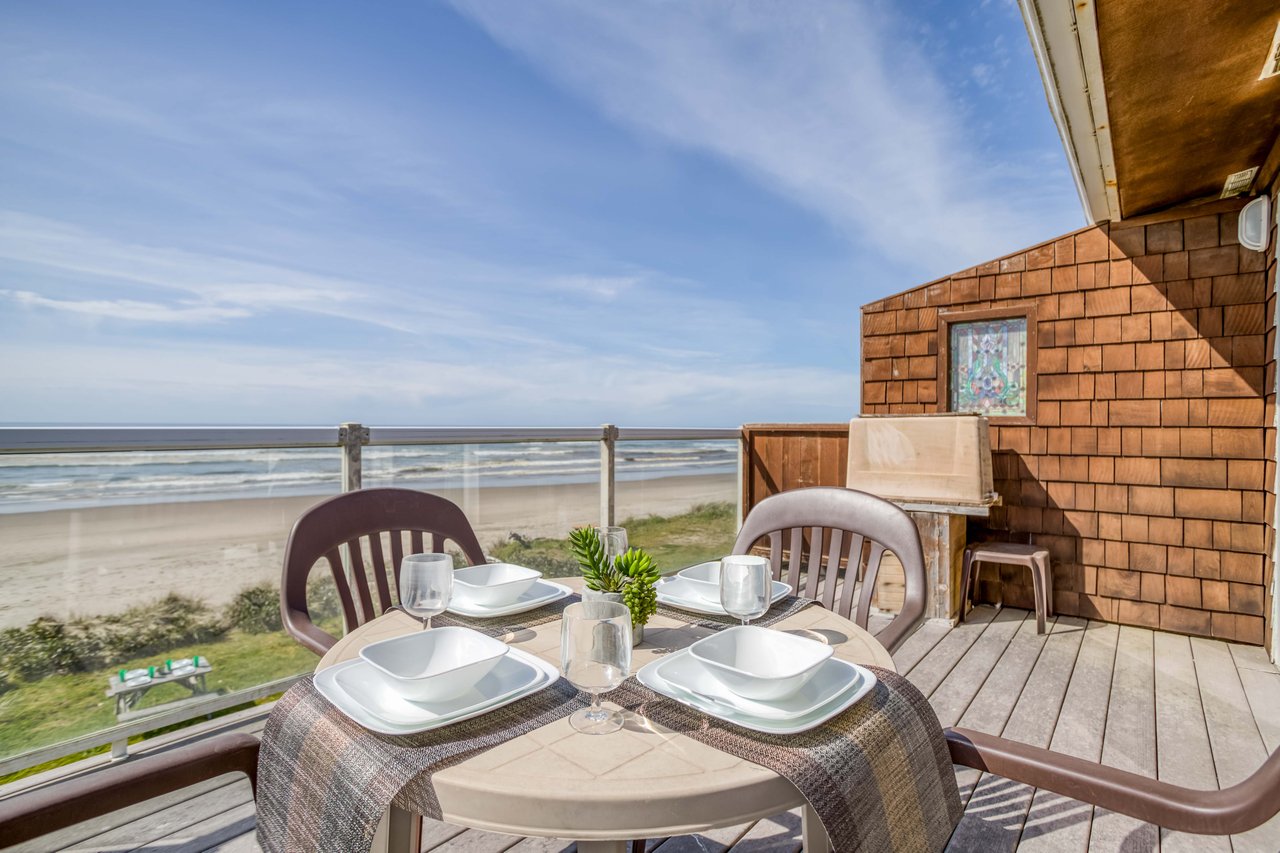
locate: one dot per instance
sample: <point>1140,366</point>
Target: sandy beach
<point>102,560</point>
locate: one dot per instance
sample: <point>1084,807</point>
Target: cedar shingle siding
<point>1149,468</point>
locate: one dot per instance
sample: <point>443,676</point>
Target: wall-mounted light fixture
<point>1255,224</point>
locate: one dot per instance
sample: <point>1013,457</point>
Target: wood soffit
<point>1185,103</point>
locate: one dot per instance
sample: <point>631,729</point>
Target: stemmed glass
<point>595,656</point>
<point>745,586</point>
<point>426,584</point>
<point>614,542</point>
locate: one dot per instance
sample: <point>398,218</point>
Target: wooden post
<point>608,474</point>
<point>353,437</point>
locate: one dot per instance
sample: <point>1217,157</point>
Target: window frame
<point>946,319</point>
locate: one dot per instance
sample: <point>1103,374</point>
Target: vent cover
<point>1238,183</point>
<point>1271,67</point>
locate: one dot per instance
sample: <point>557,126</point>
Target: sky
<point>489,212</point>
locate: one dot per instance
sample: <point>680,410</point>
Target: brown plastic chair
<point>839,524</point>
<point>35,813</point>
<point>1226,812</point>
<point>355,522</point>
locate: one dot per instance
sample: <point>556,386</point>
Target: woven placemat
<point>324,780</point>
<point>878,776</point>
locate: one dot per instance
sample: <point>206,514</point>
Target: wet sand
<point>104,559</point>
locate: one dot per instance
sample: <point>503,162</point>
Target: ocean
<point>38,482</point>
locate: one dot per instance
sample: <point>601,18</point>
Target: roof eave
<point>1064,39</point>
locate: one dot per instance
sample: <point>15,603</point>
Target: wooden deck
<point>1196,712</point>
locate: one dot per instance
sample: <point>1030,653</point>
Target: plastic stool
<point>1011,554</point>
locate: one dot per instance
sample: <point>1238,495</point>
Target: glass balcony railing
<point>678,499</point>
<point>123,549</point>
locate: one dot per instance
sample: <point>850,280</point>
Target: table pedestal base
<point>399,831</point>
<point>813,836</point>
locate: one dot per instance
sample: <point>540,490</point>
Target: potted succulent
<point>629,578</point>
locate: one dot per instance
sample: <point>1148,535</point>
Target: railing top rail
<point>677,434</point>
<point>96,439</point>
<point>107,439</point>
<point>479,435</point>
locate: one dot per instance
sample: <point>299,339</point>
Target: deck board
<point>1129,740</point>
<point>1195,712</point>
<point>1183,752</point>
<point>1237,743</point>
<point>997,808</point>
<point>1054,823</point>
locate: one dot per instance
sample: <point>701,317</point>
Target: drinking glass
<point>613,540</point>
<point>426,584</point>
<point>746,585</point>
<point>595,656</point>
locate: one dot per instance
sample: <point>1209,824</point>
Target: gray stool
<point>1011,554</point>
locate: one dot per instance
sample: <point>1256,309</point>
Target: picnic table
<point>128,695</point>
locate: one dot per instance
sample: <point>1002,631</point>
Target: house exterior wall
<point>1147,468</point>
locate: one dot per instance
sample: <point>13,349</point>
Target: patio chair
<point>35,813</point>
<point>341,524</point>
<point>834,526</point>
<point>1223,812</point>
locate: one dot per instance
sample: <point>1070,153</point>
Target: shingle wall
<point>1148,469</point>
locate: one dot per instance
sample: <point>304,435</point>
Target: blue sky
<point>485,212</point>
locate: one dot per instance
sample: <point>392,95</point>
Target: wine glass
<point>745,586</point>
<point>595,656</point>
<point>614,542</point>
<point>426,584</point>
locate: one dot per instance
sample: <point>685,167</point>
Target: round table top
<point>643,781</point>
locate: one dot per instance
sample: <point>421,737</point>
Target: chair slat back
<point>346,532</point>
<point>848,534</point>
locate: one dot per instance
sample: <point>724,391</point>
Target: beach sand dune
<point>102,560</point>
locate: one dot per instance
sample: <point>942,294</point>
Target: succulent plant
<point>632,573</point>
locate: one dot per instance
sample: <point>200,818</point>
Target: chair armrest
<point>29,815</point>
<point>1213,812</point>
<point>307,633</point>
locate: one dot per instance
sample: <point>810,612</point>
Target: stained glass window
<point>988,363</point>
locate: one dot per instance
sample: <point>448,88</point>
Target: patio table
<point>640,782</point>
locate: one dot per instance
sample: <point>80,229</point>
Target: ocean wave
<point>50,481</point>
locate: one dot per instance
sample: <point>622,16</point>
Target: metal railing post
<point>608,474</point>
<point>742,470</point>
<point>353,437</point>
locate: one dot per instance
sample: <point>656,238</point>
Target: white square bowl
<point>759,663</point>
<point>704,579</point>
<point>494,584</point>
<point>434,665</point>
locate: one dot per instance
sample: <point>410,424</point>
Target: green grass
<point>61,707</point>
<point>704,533</point>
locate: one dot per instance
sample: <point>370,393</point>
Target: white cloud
<point>127,309</point>
<point>823,101</point>
<point>287,385</point>
<point>605,287</point>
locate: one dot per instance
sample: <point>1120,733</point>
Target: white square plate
<point>651,676</point>
<point>685,672</point>
<point>677,592</point>
<point>357,691</point>
<point>542,593</point>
